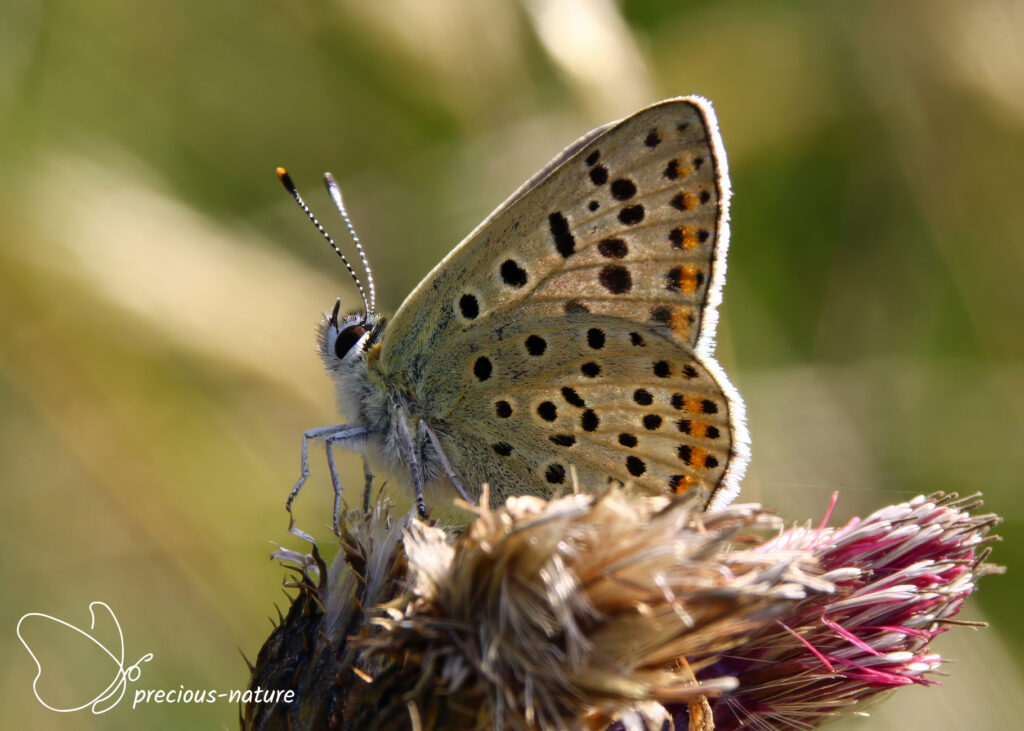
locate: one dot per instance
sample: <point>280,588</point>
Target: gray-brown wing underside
<point>617,401</point>
<point>629,223</point>
<point>652,250</point>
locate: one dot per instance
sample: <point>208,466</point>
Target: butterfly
<point>572,330</point>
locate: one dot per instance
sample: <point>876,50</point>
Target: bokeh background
<point>158,289</point>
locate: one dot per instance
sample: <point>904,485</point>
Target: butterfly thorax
<point>372,397</point>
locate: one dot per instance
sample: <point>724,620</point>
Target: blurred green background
<point>158,289</point>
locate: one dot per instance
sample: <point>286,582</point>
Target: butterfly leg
<point>369,485</point>
<point>336,433</point>
<point>414,464</point>
<point>335,482</point>
<point>425,428</point>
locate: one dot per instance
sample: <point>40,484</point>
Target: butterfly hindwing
<point>618,402</point>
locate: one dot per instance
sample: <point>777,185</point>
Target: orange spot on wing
<point>687,238</point>
<point>677,319</point>
<point>684,485</point>
<point>692,404</point>
<point>680,323</point>
<point>682,170</point>
<point>688,278</point>
<point>685,201</point>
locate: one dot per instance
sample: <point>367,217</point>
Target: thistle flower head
<point>900,575</point>
<point>590,612</point>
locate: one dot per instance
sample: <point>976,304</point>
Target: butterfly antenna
<point>286,180</point>
<point>335,191</point>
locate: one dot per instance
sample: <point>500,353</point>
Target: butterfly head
<point>345,340</point>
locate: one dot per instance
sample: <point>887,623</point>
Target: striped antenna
<point>286,180</point>
<point>335,191</point>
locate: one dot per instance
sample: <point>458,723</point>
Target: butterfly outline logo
<point>112,694</point>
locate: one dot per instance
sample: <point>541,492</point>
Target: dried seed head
<point>584,612</point>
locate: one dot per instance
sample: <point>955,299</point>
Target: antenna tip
<point>285,179</point>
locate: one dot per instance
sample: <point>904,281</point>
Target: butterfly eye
<point>347,338</point>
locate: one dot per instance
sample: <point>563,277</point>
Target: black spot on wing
<point>615,278</point>
<point>623,189</point>
<point>631,215</point>
<point>635,466</point>
<point>662,314</point>
<point>612,248</point>
<point>547,411</point>
<point>652,422</point>
<point>573,398</point>
<point>555,474</point>
<point>482,368</point>
<point>565,242</point>
<point>512,274</point>
<point>469,306</point>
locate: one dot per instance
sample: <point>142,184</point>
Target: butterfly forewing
<point>637,236</point>
<point>648,251</point>
<point>626,236</point>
